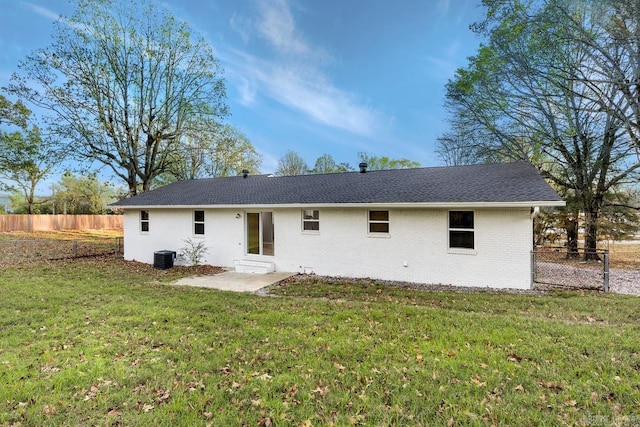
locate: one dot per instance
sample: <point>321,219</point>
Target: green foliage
<point>39,205</point>
<point>13,113</point>
<point>233,153</point>
<point>291,164</point>
<point>326,164</point>
<point>213,151</point>
<point>108,342</point>
<point>82,194</point>
<point>385,163</point>
<point>25,157</point>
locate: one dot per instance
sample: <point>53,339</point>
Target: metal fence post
<point>606,270</point>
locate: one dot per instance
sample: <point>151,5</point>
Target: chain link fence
<point>555,268</point>
<point>28,250</point>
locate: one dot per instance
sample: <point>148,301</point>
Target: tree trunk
<point>132,181</point>
<point>30,199</point>
<point>146,184</point>
<point>571,226</point>
<point>591,235</point>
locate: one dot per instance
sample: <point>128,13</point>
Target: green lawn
<point>105,342</point>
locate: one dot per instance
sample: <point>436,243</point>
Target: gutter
<point>536,204</point>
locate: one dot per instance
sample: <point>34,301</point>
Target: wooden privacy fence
<point>59,222</point>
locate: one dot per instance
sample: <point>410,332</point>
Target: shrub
<point>193,252</point>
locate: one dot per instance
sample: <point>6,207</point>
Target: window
<point>144,221</point>
<point>198,222</point>
<point>461,234</point>
<point>378,221</point>
<point>310,220</point>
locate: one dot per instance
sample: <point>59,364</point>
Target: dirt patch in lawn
<point>61,235</point>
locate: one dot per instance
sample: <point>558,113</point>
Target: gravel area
<point>620,281</point>
<point>624,281</point>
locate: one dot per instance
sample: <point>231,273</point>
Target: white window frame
<point>144,220</point>
<point>196,223</point>
<point>378,221</point>
<point>314,219</point>
<point>472,230</point>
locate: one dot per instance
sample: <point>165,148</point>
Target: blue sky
<point>313,76</point>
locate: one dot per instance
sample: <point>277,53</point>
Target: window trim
<point>472,230</point>
<point>142,220</point>
<point>377,221</point>
<point>196,223</point>
<point>312,220</point>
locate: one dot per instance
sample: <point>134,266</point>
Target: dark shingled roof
<point>501,183</point>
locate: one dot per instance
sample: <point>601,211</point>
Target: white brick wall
<point>416,249</point>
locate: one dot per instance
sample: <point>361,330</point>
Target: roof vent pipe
<point>245,173</point>
<point>363,167</point>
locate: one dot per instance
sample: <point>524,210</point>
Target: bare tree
<point>124,81</point>
<point>532,93</point>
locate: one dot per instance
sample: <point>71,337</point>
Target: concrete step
<point>258,267</point>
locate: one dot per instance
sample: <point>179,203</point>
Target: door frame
<point>265,247</point>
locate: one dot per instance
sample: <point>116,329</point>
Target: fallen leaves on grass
<point>95,388</point>
<point>263,377</point>
<point>162,396</point>
<point>514,358</point>
<point>478,381</point>
<point>556,388</point>
<point>50,410</point>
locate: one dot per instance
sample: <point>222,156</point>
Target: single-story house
<point>460,225</point>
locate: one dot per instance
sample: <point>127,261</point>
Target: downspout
<point>535,211</point>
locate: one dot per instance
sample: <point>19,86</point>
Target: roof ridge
<point>497,182</point>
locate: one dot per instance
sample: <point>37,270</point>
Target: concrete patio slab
<point>234,281</point>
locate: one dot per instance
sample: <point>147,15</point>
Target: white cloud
<point>295,77</point>
<point>242,26</point>
<point>321,100</point>
<point>43,11</point>
<point>303,88</point>
<point>278,27</point>
<point>247,92</point>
